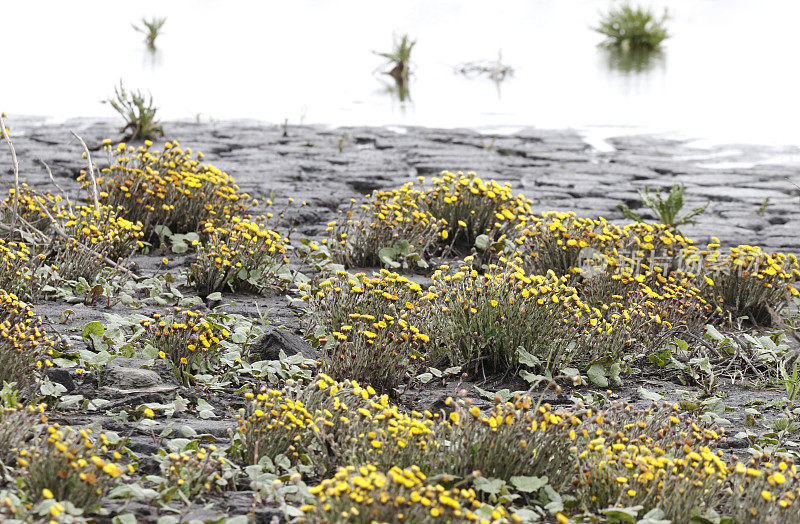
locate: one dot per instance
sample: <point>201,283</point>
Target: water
<point>728,74</point>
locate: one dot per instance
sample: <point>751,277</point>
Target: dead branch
<point>52,179</point>
<point>16,171</point>
<point>91,172</point>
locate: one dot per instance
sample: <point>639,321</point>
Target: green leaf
<point>488,485</point>
<point>482,242</point>
<point>681,344</point>
<point>51,389</point>
<point>597,374</point>
<point>387,254</point>
<point>425,377</point>
<point>622,514</point>
<point>654,516</point>
<point>214,297</point>
<point>527,359</point>
<point>188,431</point>
<point>712,332</point>
<point>93,328</point>
<point>529,484</point>
<point>661,358</point>
<point>649,395</point>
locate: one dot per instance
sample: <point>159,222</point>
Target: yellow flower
<point>46,493</point>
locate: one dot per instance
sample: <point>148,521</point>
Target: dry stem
<point>16,171</point>
<point>91,172</point>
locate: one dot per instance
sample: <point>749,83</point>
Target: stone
<point>269,346</point>
<point>127,374</point>
<point>60,376</point>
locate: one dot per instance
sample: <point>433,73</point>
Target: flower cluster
<point>68,465</point>
<point>536,436</point>
<point>457,208</point>
<point>653,458</point>
<point>384,220</point>
<point>14,274</point>
<point>471,207</point>
<point>745,280</point>
<point>170,188</point>
<point>482,317</point>
<point>367,494</point>
<point>23,342</point>
<point>105,231</point>
<point>763,490</point>
<point>241,255</point>
<point>37,209</point>
<point>371,326</point>
<point>555,240</point>
<point>16,426</point>
<point>84,235</point>
<point>332,423</point>
<point>187,339</point>
<point>196,469</point>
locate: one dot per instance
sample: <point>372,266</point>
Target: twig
<point>91,172</point>
<point>61,233</point>
<point>52,179</point>
<point>16,171</point>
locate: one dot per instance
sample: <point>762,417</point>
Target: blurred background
<point>728,72</point>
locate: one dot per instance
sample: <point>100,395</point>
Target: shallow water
<point>728,74</point>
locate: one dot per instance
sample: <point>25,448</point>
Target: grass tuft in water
<point>628,28</point>
<point>150,29</point>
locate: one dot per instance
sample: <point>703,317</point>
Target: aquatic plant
<point>399,58</point>
<point>629,27</point>
<point>139,113</point>
<point>150,29</point>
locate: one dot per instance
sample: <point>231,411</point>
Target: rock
<point>270,345</point>
<point>127,374</point>
<point>61,376</point>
